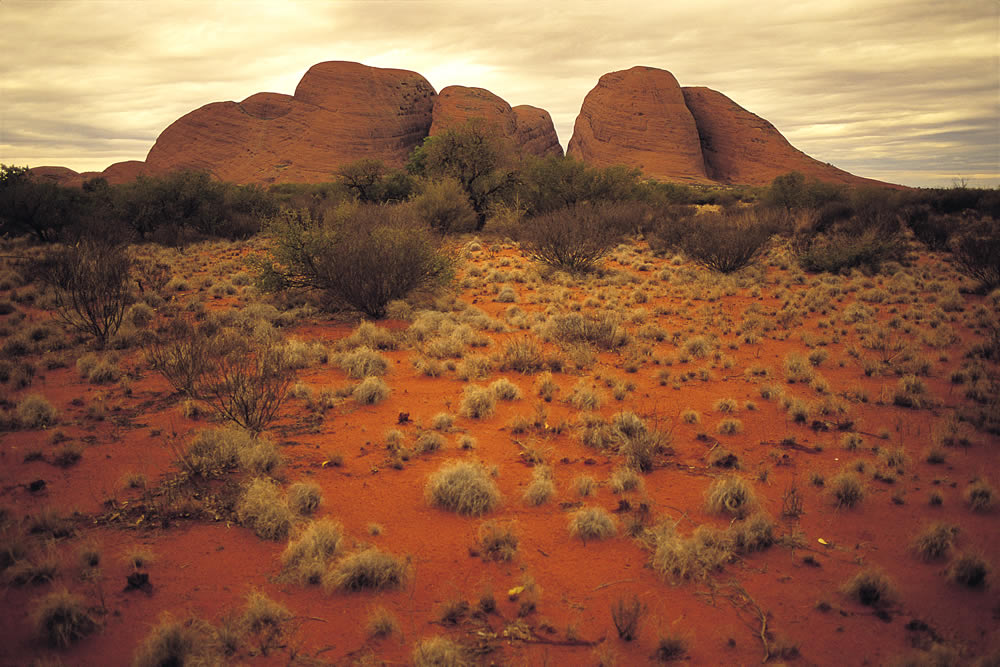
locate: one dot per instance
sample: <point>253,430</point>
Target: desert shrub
<point>627,615</point>
<point>463,487</point>
<point>34,411</point>
<point>724,242</point>
<point>870,587</point>
<point>92,282</point>
<point>497,541</point>
<point>361,257</point>
<point>363,362</point>
<point>838,251</point>
<point>304,497</point>
<point>969,570</point>
<point>174,642</point>
<point>847,489</point>
<point>445,206</point>
<point>575,238</point>
<point>440,652</point>
<point>505,390</point>
<point>263,509</point>
<point>541,487</point>
<point>305,557</point>
<point>603,330</point>
<point>242,377</point>
<point>731,495</point>
<point>935,541</point>
<point>977,252</point>
<point>61,618</point>
<point>263,621</point>
<point>979,495</point>
<point>370,391</point>
<point>592,523</point>
<point>370,569</point>
<point>477,402</point>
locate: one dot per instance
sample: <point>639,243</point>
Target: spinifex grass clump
<point>263,509</point>
<point>935,541</point>
<point>731,495</point>
<point>592,523</point>
<point>463,487</point>
<point>306,556</point>
<point>870,587</point>
<point>370,569</point>
<point>62,618</point>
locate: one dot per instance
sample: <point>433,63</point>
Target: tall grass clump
<point>263,509</point>
<point>61,618</point>
<point>173,642</point>
<point>306,556</point>
<point>592,523</point>
<point>369,569</point>
<point>870,587</point>
<point>463,487</point>
<point>935,541</point>
<point>731,495</point>
<point>847,489</point>
<point>477,402</point>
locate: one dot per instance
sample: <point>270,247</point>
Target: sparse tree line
<point>376,233</point>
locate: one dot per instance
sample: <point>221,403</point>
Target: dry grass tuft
<point>463,487</point>
<point>370,569</point>
<point>61,618</point>
<point>731,495</point>
<point>592,523</point>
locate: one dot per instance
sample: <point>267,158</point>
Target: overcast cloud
<point>906,91</point>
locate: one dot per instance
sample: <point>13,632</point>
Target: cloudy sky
<point>906,91</point>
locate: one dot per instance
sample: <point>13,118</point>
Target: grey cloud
<point>843,81</point>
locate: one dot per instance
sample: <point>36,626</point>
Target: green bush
<point>444,206</point>
<point>360,257</point>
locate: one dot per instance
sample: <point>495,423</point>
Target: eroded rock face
<point>529,128</point>
<point>638,117</point>
<point>341,112</point>
<point>741,147</point>
<point>536,134</point>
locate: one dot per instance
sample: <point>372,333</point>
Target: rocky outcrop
<point>341,112</point>
<point>530,129</point>
<point>638,117</point>
<point>536,135</point>
<point>741,147</point>
<point>123,172</point>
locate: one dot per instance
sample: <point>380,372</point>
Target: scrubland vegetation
<point>477,403</point>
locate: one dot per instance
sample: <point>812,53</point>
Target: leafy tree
<point>38,208</point>
<point>476,155</point>
<point>373,182</point>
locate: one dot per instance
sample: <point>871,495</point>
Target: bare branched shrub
<point>244,378</point>
<point>627,615</point>
<point>92,282</point>
<point>361,257</point>
<point>575,238</point>
<point>977,252</point>
<point>724,242</point>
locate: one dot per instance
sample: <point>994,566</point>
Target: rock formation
<point>638,117</point>
<point>741,147</point>
<point>529,128</point>
<point>642,118</point>
<point>341,112</point>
